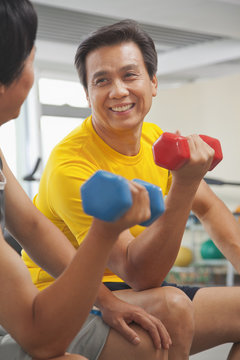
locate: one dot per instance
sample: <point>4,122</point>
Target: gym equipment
<point>171,151</point>
<point>210,251</point>
<point>31,176</point>
<point>184,257</point>
<point>156,201</point>
<point>210,181</point>
<point>107,196</point>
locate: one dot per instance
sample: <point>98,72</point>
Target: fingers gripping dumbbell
<point>107,196</point>
<point>157,206</point>
<point>171,151</point>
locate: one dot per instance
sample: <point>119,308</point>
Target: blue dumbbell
<point>157,206</point>
<point>107,196</point>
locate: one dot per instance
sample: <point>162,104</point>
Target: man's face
<point>119,88</point>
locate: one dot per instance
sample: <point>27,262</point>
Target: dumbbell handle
<point>107,196</point>
<point>171,151</point>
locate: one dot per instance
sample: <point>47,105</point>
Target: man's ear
<point>154,85</point>
<point>88,100</point>
<point>2,89</point>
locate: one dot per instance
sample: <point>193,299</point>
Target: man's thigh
<point>118,348</point>
<point>151,298</point>
<point>217,317</point>
<point>169,304</point>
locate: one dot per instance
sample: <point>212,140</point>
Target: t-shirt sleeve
<point>169,183</point>
<point>65,197</point>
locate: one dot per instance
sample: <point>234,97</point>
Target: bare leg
<point>235,352</point>
<point>175,311</point>
<point>118,348</point>
<point>217,317</point>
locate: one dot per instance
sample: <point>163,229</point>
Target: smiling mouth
<point>122,108</point>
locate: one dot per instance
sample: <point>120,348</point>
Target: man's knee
<point>179,304</point>
<point>180,314</point>
<point>174,309</point>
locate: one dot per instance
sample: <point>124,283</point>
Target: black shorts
<point>190,291</point>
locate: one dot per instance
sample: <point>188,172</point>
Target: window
<point>61,92</point>
<point>53,130</point>
<point>63,107</point>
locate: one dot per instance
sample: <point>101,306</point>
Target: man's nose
<point>118,89</point>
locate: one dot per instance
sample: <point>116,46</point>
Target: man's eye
<point>101,81</point>
<point>130,75</point>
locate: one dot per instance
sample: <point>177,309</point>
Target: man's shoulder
<point>151,131</point>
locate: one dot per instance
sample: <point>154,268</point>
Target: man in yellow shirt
<point>42,325</point>
<point>68,170</point>
<point>117,67</point>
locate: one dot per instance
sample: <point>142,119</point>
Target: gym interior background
<point>198,44</point>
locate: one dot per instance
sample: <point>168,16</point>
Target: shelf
<point>211,262</point>
<point>195,233</point>
<point>187,269</point>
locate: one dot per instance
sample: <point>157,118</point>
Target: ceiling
<point>195,39</point>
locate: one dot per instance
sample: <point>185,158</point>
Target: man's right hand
<point>201,157</point>
<point>120,315</point>
<point>136,214</point>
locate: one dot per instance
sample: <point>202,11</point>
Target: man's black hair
<point>122,31</point>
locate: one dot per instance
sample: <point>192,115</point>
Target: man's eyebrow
<point>129,67</point>
<point>105,72</point>
<point>99,74</point>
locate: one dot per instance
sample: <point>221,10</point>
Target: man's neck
<point>125,142</point>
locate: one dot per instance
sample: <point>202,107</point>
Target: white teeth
<point>122,108</point>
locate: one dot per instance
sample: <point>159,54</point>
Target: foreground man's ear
<point>2,89</point>
<point>88,100</point>
<point>154,85</point>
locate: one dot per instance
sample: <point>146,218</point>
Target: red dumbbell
<point>171,151</point>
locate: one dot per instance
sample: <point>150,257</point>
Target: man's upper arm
<point>118,260</point>
<point>65,200</point>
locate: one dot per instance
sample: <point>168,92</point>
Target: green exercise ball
<point>210,251</point>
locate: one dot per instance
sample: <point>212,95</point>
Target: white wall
<point>210,107</point>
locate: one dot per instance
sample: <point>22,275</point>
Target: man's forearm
<point>219,223</point>
<point>152,253</point>
<point>71,296</point>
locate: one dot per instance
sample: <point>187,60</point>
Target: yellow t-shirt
<point>78,156</point>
